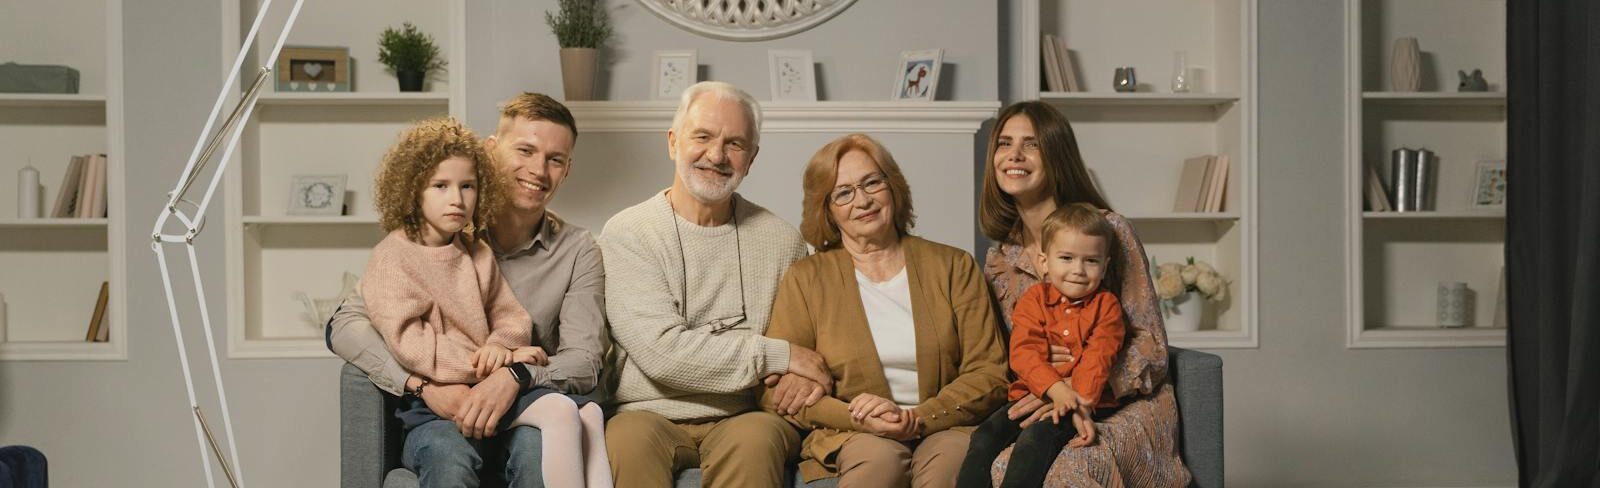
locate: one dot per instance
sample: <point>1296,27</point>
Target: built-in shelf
<point>51,223</point>
<point>1428,336</point>
<point>347,99</point>
<point>1436,98</point>
<point>1211,339</point>
<point>1140,99</point>
<point>62,351</point>
<point>52,100</point>
<point>1185,217</point>
<point>1432,215</point>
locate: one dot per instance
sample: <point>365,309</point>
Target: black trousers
<point>1037,448</point>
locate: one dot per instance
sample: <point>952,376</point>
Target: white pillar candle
<point>28,193</point>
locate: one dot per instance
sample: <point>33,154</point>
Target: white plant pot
<point>1184,314</point>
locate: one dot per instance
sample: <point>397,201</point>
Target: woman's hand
<point>1085,426</point>
<point>1060,356</point>
<point>908,426</point>
<point>867,405</point>
<point>530,354</point>
<point>489,358</point>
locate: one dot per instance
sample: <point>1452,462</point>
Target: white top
<point>888,306</point>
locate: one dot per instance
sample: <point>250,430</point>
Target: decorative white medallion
<point>746,20</point>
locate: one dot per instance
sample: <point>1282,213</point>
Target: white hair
<point>724,91</point>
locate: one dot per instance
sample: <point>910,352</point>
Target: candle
<point>28,193</point>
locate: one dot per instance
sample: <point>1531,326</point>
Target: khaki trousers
<point>752,449</point>
<point>867,460</point>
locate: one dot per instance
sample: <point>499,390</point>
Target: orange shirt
<point>1090,327</point>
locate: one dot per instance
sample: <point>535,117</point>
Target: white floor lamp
<point>193,222</point>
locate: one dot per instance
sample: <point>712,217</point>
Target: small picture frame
<point>321,195</point>
<point>917,76</point>
<point>313,69</point>
<point>1489,185</point>
<point>792,75</point>
<point>673,71</point>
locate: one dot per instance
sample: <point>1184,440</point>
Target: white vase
<point>1405,65</point>
<point>1184,314</point>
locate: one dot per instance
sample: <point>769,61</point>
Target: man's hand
<point>805,362</point>
<point>791,392</point>
<point>489,358</point>
<point>444,400</point>
<point>869,405</point>
<point>534,355</point>
<point>485,403</point>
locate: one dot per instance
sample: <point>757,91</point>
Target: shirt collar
<point>543,236</point>
<point>1053,297</point>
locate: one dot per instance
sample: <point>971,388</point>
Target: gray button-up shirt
<point>558,277</point>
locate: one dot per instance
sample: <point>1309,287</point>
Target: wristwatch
<point>520,372</point>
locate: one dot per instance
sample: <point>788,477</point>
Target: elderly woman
<point>905,326</point>
<point>1034,167</point>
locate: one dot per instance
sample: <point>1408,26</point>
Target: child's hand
<point>530,354</point>
<point>1085,426</point>
<point>1062,401</point>
<point>489,358</point>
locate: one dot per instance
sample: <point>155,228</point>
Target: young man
<point>553,268</point>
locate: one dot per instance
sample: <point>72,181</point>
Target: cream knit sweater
<point>668,361</point>
<point>435,306</point>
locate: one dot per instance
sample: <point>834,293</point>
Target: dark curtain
<point>1553,239</point>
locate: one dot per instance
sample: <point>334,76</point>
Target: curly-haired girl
<point>435,293</point>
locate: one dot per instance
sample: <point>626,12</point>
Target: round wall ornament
<point>746,20</point>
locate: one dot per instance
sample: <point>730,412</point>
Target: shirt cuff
<point>541,376</point>
<point>776,356</point>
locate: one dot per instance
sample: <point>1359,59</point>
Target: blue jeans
<point>442,457</point>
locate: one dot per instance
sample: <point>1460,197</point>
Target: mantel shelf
<point>52,100</point>
<point>1146,99</point>
<point>799,117</point>
<point>350,99</point>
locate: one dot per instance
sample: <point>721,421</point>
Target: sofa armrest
<point>369,438</point>
<point>1197,383</point>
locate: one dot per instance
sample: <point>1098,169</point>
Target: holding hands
<point>880,416</point>
<point>493,356</point>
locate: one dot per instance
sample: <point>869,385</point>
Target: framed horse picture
<point>917,77</point>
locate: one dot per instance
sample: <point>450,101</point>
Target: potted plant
<point>1182,287</point>
<point>410,54</point>
<point>580,27</point>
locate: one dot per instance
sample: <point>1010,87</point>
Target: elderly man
<point>692,273</point>
<point>553,268</point>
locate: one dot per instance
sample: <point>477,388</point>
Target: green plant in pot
<point>580,27</point>
<point>410,54</point>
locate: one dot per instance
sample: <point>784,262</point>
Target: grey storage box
<point>37,78</point>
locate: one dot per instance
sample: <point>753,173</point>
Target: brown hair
<point>1085,219</point>
<point>816,219</point>
<point>407,167</point>
<point>1065,175</point>
<point>536,106</point>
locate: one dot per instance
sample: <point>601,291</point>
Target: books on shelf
<point>1203,185</point>
<point>1377,194</point>
<point>1056,62</point>
<point>82,193</point>
<point>98,330</point>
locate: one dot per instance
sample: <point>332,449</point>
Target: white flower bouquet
<point>1174,281</point>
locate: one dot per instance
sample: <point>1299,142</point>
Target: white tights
<point>574,445</point>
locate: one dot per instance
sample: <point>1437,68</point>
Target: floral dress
<point>1138,445</point>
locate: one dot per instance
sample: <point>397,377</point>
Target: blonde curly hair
<point>407,167</point>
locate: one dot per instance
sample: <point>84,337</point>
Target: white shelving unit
<point>54,266</point>
<point>1397,258</point>
<point>1135,143</point>
<point>273,256</point>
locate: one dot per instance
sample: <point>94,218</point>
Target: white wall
<point>1302,409</point>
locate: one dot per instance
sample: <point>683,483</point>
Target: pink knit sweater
<point>435,306</point>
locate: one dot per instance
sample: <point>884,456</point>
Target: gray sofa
<point>370,436</point>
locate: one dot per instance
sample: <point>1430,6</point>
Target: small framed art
<point>1489,185</point>
<point>917,76</point>
<point>793,76</point>
<point>313,69</point>
<point>316,195</point>
<point>673,72</point>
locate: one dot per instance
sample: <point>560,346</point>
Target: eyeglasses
<point>845,194</point>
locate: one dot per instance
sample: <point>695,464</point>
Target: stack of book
<point>1060,74</point>
<point>83,189</point>
<point>1203,185</point>
<point>99,330</point>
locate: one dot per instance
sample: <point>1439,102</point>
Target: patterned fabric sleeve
<point>1142,364</point>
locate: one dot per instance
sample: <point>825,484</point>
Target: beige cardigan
<point>961,359</point>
